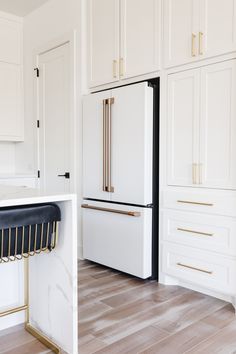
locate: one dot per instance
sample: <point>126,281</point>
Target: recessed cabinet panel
<point>218,125</point>
<point>11,105</point>
<point>10,41</point>
<point>217,27</point>
<point>180,31</point>
<point>103,41</point>
<point>140,37</point>
<point>183,115</point>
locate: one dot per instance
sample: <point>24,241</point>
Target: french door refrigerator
<point>117,209</point>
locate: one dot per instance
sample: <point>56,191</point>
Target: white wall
<point>50,22</point>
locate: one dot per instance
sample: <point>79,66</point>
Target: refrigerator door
<point>132,144</point>
<point>93,146</point>
<point>118,236</point>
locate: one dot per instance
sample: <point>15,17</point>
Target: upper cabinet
<point>103,34</point>
<point>198,29</point>
<point>124,39</point>
<point>202,127</point>
<point>11,80</point>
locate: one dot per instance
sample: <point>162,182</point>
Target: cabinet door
<point>103,41</point>
<point>140,37</point>
<point>11,102</point>
<point>217,27</point>
<point>181,25</point>
<point>10,41</point>
<point>218,125</point>
<point>183,127</point>
<point>93,148</point>
<point>132,121</point>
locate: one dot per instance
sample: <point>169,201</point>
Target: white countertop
<point>11,195</point>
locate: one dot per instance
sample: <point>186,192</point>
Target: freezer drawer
<point>118,236</point>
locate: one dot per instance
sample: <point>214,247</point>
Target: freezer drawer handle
<point>115,211</point>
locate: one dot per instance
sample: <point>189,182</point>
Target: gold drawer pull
<point>115,211</point>
<point>195,203</point>
<point>195,232</point>
<point>194,268</point>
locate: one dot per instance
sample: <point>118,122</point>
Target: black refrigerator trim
<point>155,84</point>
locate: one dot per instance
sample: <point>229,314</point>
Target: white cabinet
<point>114,237</point>
<point>11,102</point>
<point>124,39</point>
<point>202,127</point>
<point>217,27</point>
<point>183,127</point>
<point>11,80</point>
<point>196,29</point>
<point>103,35</point>
<point>129,147</point>
<point>140,37</point>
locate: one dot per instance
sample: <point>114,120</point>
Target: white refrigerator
<point>118,178</point>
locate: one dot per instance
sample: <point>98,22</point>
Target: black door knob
<point>66,175</point>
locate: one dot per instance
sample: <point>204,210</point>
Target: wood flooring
<point>122,314</point>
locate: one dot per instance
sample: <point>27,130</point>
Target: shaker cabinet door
<point>217,31</point>
<point>218,125</point>
<point>140,37</point>
<point>103,34</point>
<point>180,31</point>
<point>93,146</point>
<point>183,127</point>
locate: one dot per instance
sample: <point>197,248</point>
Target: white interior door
<point>218,125</point>
<point>183,127</point>
<point>140,37</point>
<point>54,118</point>
<point>217,26</point>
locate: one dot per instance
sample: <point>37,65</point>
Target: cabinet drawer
<point>209,202</point>
<point>209,232</point>
<point>114,237</point>
<point>200,267</point>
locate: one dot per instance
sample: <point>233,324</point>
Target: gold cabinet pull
<point>194,173</point>
<point>121,67</point>
<point>195,232</point>
<point>114,69</point>
<point>195,203</point>
<point>194,53</point>
<point>194,268</point>
<point>115,211</point>
<point>200,43</point>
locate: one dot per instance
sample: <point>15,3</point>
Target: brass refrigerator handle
<point>104,146</point>
<point>110,102</point>
<point>115,211</point>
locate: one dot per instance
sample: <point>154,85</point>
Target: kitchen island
<point>52,276</point>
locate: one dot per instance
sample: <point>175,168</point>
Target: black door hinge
<point>38,174</point>
<point>38,124</point>
<point>37,71</point>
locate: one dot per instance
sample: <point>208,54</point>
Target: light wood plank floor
<point>126,315</point>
